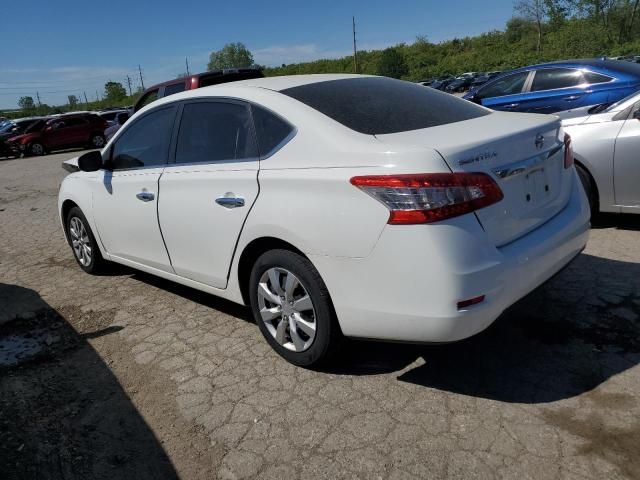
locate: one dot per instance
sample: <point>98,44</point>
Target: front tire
<point>291,305</point>
<point>83,243</point>
<point>36,149</point>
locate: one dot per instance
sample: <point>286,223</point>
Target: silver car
<point>606,145</point>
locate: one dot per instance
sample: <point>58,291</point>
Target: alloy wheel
<point>37,149</point>
<point>98,141</point>
<point>286,309</point>
<point>80,241</point>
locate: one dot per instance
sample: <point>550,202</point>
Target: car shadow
<point>564,339</point>
<point>63,413</point>
<point>619,221</point>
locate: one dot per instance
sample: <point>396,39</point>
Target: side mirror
<point>90,161</point>
<point>636,114</point>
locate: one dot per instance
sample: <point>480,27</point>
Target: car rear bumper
<point>409,287</point>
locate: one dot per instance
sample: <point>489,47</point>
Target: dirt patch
<point>618,446</point>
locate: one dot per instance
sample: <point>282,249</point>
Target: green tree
<point>26,103</point>
<point>392,63</point>
<point>232,55</point>
<point>73,101</point>
<point>114,91</point>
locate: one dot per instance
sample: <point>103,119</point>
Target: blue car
<point>556,86</point>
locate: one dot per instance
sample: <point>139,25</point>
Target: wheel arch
<point>594,184</point>
<point>250,254</point>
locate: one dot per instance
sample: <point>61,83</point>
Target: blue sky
<point>62,47</point>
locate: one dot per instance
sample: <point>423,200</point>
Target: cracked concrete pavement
<point>551,391</point>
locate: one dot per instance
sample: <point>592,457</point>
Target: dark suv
<point>58,133</point>
<point>198,80</point>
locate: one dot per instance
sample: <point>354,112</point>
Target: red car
<point>198,80</point>
<point>59,133</point>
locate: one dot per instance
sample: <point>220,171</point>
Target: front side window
<point>145,143</point>
<point>508,85</point>
<point>554,78</point>
<point>214,132</point>
<point>174,88</point>
<point>271,130</point>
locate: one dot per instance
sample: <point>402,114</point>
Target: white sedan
<point>334,205</point>
<point>606,145</point>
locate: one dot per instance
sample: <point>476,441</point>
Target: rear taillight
<point>568,151</point>
<point>430,197</point>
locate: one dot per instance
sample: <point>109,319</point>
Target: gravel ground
<point>129,376</point>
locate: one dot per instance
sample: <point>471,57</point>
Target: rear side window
<point>215,131</point>
<point>145,143</point>
<point>592,77</point>
<point>380,105</point>
<point>271,130</point>
<point>146,99</point>
<point>552,78</point>
<point>174,88</point>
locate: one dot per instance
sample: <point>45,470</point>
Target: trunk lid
<point>523,153</point>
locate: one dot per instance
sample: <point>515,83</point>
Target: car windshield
<point>35,127</point>
<point>380,105</point>
<point>5,127</point>
<point>613,106</point>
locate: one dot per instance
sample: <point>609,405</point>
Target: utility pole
<point>129,83</point>
<point>186,61</point>
<point>355,51</point>
<point>141,81</point>
<point>86,102</point>
<point>97,97</point>
<point>38,97</point>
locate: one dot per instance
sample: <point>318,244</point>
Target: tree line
<point>539,31</point>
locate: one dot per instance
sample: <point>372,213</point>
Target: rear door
<point>554,90</point>
<point>209,188</point>
<point>627,163</point>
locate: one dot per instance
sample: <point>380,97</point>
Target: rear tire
<point>293,309</point>
<point>589,189</point>
<point>83,243</point>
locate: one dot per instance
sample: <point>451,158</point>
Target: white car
<point>334,205</point>
<point>606,145</point>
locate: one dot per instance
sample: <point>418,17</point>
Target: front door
<point>209,189</point>
<point>126,197</point>
<point>626,163</point>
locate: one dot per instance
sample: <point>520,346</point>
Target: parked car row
<point>461,83</point>
<point>38,136</point>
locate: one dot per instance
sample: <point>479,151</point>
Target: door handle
<point>572,98</point>
<point>230,202</point>
<point>145,196</point>
<point>511,106</point>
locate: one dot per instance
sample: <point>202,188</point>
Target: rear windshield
<point>380,105</point>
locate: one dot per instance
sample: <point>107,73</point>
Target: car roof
<point>289,81</point>
<point>600,63</point>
